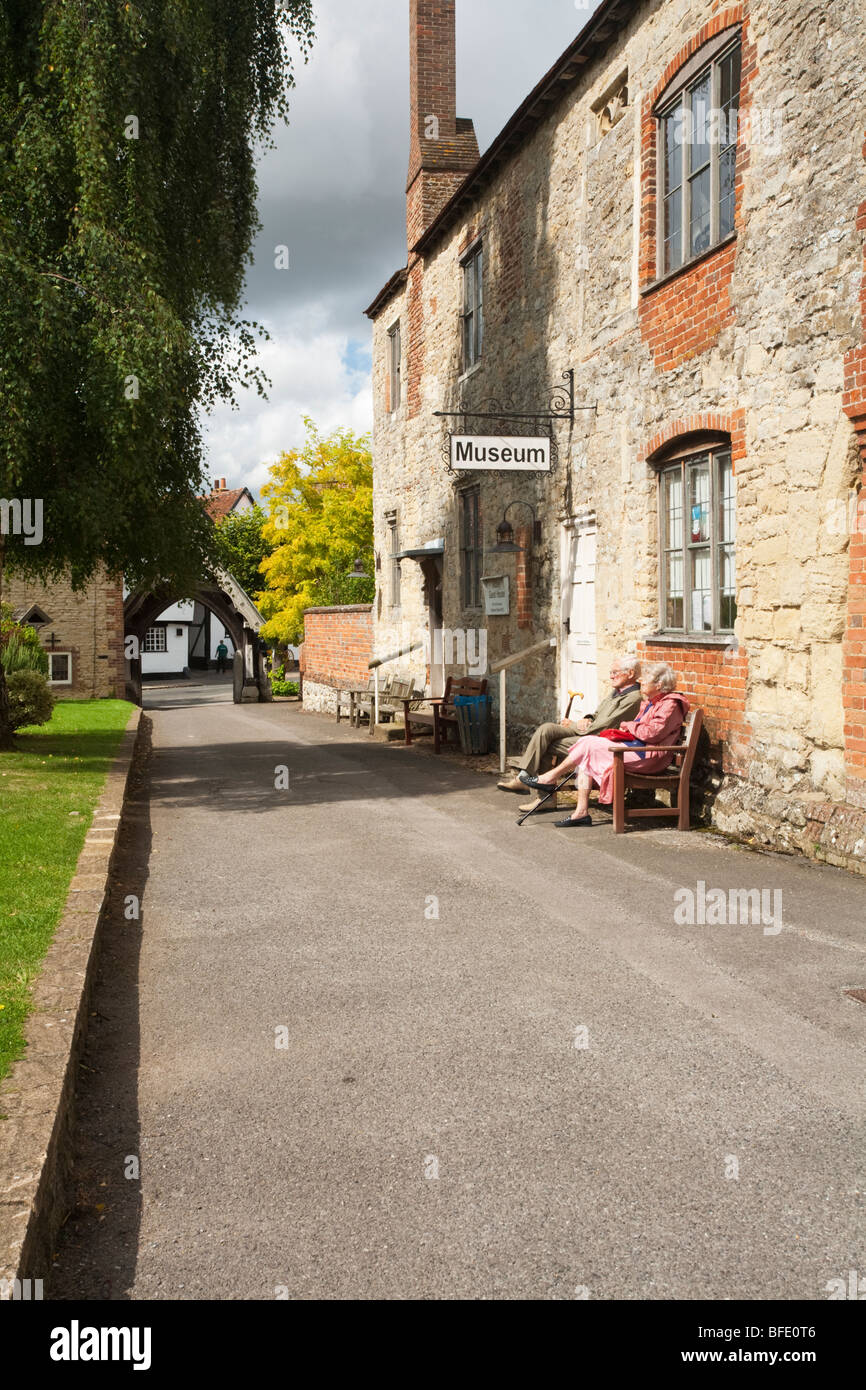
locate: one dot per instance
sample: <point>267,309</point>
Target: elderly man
<point>622,704</point>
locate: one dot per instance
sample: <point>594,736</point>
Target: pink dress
<point>658,721</point>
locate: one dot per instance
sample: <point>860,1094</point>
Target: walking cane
<point>553,790</point>
<point>572,696</point>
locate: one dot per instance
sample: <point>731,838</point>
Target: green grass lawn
<point>48,790</point>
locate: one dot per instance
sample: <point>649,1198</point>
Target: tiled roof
<point>396,283</point>
<point>223,501</point>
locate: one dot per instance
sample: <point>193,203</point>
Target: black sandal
<point>565,824</point>
<point>537,785</point>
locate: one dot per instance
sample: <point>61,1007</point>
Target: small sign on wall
<point>496,599</point>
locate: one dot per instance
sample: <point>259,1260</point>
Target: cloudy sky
<point>333,192</point>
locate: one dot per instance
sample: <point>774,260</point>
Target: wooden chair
<point>399,691</point>
<point>675,778</point>
<point>443,714</point>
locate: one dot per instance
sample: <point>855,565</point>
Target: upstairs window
<point>394,367</point>
<point>698,156</point>
<point>473,307</point>
<point>699,534</point>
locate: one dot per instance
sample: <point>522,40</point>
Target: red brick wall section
<point>442,150</point>
<point>432,75</point>
<point>714,679</point>
<point>338,645</point>
<point>684,316</point>
<point>523,572</point>
<point>732,423</point>
<point>854,649</point>
<point>415,324</point>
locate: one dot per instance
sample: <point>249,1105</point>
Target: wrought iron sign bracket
<point>561,407</point>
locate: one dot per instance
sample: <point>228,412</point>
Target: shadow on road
<point>96,1250</point>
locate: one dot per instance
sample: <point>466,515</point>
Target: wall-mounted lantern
<point>505,542</point>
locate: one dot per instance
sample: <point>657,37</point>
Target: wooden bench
<point>675,778</point>
<point>443,713</point>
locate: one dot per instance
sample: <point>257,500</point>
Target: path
<point>417,1044</point>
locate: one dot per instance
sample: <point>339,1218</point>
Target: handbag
<point>622,736</point>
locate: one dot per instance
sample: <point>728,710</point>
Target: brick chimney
<point>443,146</point>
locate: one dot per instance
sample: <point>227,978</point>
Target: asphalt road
<point>370,1040</point>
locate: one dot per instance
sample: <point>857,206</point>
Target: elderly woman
<point>659,720</point>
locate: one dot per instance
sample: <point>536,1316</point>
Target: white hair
<point>627,663</point>
<point>661,675</point>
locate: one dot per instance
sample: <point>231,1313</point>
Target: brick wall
<point>715,680</point>
<point>523,570</point>
<point>338,645</point>
<point>415,349</point>
<point>88,624</point>
<point>685,315</point>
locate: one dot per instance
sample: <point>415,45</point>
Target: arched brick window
<point>697,535</point>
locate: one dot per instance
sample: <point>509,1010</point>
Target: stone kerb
<point>37,1099</point>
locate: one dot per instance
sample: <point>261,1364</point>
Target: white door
<point>579,665</point>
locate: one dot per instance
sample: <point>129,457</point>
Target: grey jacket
<point>615,710</point>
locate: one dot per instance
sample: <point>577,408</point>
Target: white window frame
<point>52,679</point>
<point>155,651</point>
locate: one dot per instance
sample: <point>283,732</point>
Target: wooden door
<point>579,660</point>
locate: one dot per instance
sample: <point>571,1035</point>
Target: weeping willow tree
<point>128,134</point>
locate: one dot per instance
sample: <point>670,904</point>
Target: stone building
<point>675,215</point>
<point>82,633</point>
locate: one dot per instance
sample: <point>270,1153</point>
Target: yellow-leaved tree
<point>320,521</point>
